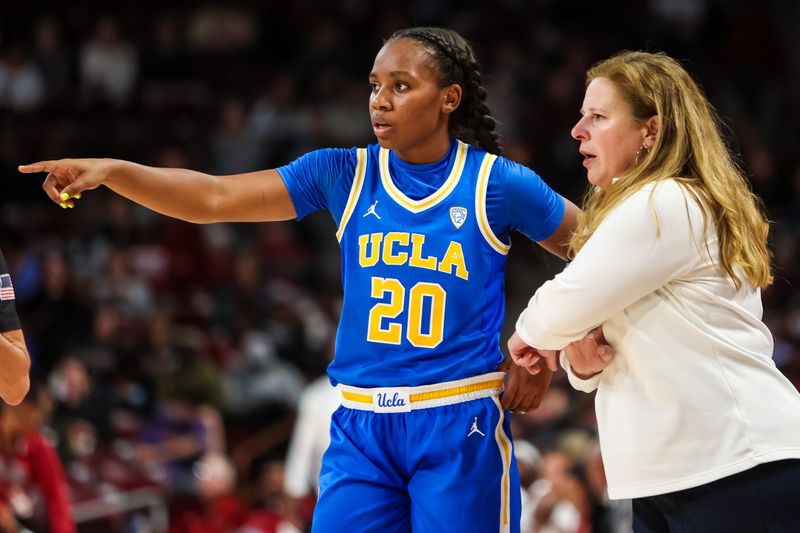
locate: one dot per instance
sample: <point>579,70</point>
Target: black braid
<point>455,60</point>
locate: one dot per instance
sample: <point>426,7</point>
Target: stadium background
<point>149,331</point>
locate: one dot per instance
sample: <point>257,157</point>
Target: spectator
<point>109,65</point>
<point>33,490</point>
<point>21,84</point>
<point>50,55</point>
<point>236,145</point>
<point>81,410</point>
<point>310,437</point>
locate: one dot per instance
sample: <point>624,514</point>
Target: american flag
<point>6,288</point>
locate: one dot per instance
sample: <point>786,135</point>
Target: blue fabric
<point>424,300</point>
<point>516,199</point>
<point>471,319</point>
<point>419,471</point>
<point>320,180</point>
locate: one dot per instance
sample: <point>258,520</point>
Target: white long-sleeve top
<point>311,437</point>
<point>692,394</point>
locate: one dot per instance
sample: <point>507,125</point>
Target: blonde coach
<point>696,423</point>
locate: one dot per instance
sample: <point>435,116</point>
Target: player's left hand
<point>524,391</point>
<point>528,357</point>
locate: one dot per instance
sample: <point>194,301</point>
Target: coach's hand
<point>590,355</point>
<point>524,391</point>
<point>68,178</point>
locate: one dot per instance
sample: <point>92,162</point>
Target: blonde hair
<point>688,148</point>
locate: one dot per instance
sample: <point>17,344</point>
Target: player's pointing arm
<point>180,193</point>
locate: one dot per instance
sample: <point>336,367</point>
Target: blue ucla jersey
<point>422,263</point>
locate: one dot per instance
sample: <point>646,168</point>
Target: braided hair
<point>456,63</point>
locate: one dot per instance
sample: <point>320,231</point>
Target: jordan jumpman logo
<point>371,210</point>
<point>475,429</point>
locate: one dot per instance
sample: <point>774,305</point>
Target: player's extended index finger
<point>41,166</point>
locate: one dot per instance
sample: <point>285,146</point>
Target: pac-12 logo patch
<point>458,215</point>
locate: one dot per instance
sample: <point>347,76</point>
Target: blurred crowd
<point>174,358</point>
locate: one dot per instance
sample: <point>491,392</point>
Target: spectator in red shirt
<point>33,489</point>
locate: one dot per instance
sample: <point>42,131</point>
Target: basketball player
<point>14,358</point>
<point>421,442</point>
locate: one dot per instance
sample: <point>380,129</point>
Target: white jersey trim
<point>504,444</point>
<point>417,206</point>
<point>355,191</point>
<point>480,206</point>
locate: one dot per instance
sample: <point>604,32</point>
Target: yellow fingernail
<point>21,167</point>
<point>63,205</point>
<point>64,196</point>
<point>78,196</point>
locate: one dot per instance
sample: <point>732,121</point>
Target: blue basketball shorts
<point>431,458</point>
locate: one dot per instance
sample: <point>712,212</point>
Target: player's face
<point>610,136</point>
<point>409,110</point>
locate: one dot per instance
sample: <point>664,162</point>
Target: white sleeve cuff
<point>520,329</point>
<point>584,385</point>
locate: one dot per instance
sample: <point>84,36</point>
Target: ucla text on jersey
<point>422,277</point>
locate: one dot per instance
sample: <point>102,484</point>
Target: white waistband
<point>405,399</point>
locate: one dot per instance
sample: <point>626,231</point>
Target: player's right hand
<point>524,389</point>
<point>68,178</point>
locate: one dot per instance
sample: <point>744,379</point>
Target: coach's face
<point>609,134</point>
<point>408,108</point>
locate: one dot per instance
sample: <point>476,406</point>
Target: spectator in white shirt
<point>310,438</point>
<point>22,86</point>
<point>696,423</point>
<point>109,65</point>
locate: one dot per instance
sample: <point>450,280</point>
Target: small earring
<point>641,149</point>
